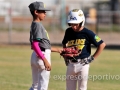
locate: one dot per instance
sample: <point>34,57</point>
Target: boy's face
<point>40,14</point>
<point>75,27</point>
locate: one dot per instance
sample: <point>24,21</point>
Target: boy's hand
<point>59,50</point>
<point>47,65</point>
<point>88,60</point>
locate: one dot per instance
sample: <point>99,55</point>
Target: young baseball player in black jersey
<point>41,46</point>
<point>81,37</point>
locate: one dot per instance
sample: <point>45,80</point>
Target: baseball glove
<point>69,52</point>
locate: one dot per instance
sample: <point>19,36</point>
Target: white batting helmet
<point>76,16</point>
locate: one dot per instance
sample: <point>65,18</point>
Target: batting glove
<point>88,60</point>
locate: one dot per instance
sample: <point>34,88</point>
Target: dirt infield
<point>55,37</point>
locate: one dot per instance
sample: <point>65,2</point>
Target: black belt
<point>73,60</point>
<point>42,49</point>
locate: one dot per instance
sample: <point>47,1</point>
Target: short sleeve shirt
<point>38,33</point>
<point>82,39</point>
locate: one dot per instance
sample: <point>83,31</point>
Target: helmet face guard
<point>76,16</point>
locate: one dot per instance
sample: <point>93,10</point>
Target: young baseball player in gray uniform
<point>81,37</point>
<point>40,44</point>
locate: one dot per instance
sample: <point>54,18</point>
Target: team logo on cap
<point>80,14</point>
<point>73,18</point>
<point>75,10</point>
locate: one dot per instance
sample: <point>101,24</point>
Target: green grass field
<point>15,70</point>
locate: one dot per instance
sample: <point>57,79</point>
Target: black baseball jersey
<point>82,39</point>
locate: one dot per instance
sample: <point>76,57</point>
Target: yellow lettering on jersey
<point>80,47</point>
<point>82,41</point>
<point>47,34</point>
<point>70,43</point>
<point>79,41</point>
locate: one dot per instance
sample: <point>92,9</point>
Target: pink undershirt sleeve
<point>37,49</point>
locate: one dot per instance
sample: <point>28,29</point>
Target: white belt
<point>47,50</point>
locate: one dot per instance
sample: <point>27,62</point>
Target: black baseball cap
<point>37,6</point>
